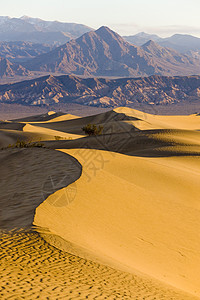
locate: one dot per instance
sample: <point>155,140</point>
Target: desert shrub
<point>57,137</point>
<point>92,129</point>
<point>30,144</point>
<point>23,144</point>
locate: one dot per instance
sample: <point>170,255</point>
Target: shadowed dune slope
<point>10,137</point>
<point>11,125</point>
<point>40,118</point>
<point>139,143</point>
<point>51,116</point>
<point>27,178</point>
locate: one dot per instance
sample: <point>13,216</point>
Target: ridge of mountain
<point>22,51</point>
<point>102,92</point>
<point>39,31</point>
<point>105,53</point>
<point>183,43</point>
<point>9,69</point>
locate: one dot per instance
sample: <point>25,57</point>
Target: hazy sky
<point>163,17</point>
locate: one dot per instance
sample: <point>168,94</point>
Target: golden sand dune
<point>130,222</point>
<point>133,213</point>
<point>149,121</point>
<point>125,119</point>
<point>49,134</point>
<point>31,268</point>
<point>107,119</point>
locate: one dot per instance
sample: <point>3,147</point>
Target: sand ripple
<point>33,269</point>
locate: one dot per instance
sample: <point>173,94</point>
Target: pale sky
<point>162,17</point>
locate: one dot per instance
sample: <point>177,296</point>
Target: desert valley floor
<point>114,216</point>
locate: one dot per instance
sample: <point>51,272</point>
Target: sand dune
<point>48,118</point>
<point>27,178</point>
<point>40,118</point>
<point>49,134</point>
<point>126,119</point>
<point>130,222</point>
<point>33,269</point>
<point>134,213</point>
<point>154,121</point>
<point>147,143</point>
<point>107,119</point>
<point>11,125</point>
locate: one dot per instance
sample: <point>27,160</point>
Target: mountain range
<point>10,69</point>
<point>39,31</point>
<point>22,51</point>
<point>102,92</point>
<point>89,53</point>
<point>183,43</point>
<point>105,53</point>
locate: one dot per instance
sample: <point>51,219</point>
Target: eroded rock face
<point>102,92</point>
<point>11,69</point>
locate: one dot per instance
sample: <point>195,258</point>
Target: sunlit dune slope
<point>49,134</point>
<point>133,213</point>
<point>154,121</point>
<point>32,269</point>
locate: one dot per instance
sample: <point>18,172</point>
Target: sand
<point>33,269</point>
<point>127,227</point>
<point>27,178</point>
<point>142,214</point>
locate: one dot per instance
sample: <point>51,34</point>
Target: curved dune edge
<point>47,134</point>
<point>28,176</point>
<point>155,231</point>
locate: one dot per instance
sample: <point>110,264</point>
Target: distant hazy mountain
<point>105,53</point>
<point>22,51</point>
<point>102,92</point>
<point>141,38</point>
<point>39,31</point>
<point>8,69</point>
<point>183,43</point>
